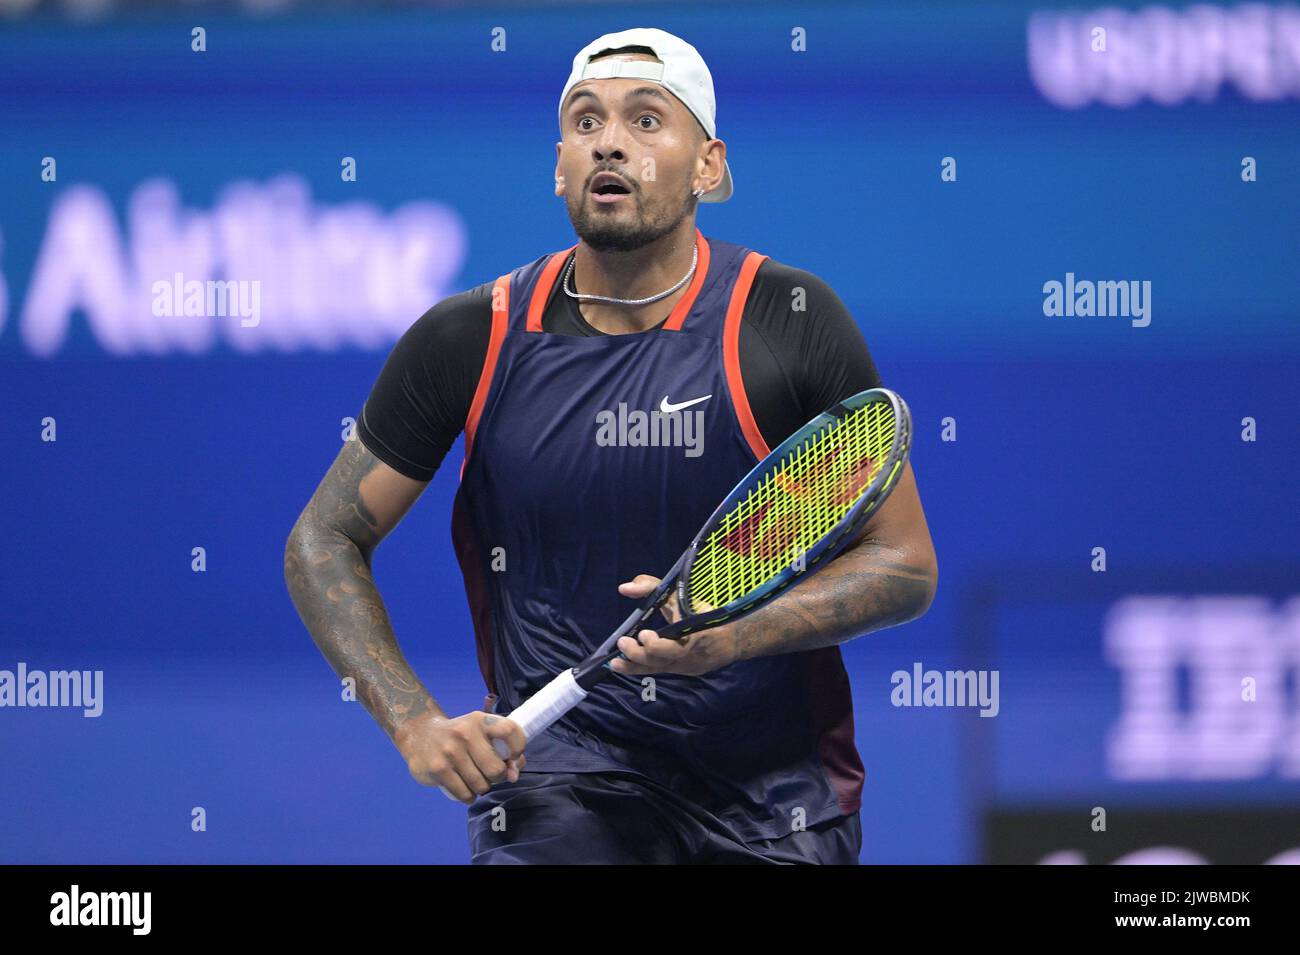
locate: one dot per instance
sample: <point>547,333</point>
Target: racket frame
<point>596,667</point>
<point>830,544</point>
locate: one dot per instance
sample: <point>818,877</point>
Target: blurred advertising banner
<point>1138,836</point>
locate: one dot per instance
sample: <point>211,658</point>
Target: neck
<point>637,274</point>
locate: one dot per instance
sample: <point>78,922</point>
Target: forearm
<point>869,587</point>
<point>330,582</point>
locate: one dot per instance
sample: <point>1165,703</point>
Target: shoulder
<point>455,317</point>
<point>450,338</point>
<point>810,330</point>
<point>780,275</point>
<point>787,300</point>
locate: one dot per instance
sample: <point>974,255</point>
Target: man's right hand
<point>457,755</point>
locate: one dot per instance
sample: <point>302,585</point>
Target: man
<point>740,746</point>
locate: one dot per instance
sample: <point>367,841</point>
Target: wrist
<point>409,725</point>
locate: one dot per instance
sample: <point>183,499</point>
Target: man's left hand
<point>691,655</point>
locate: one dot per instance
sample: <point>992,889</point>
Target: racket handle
<point>544,707</point>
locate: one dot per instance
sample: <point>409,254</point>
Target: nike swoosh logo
<point>667,407</point>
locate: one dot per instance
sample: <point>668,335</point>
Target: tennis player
<point>611,394</point>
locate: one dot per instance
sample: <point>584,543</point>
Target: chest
<point>618,435</point>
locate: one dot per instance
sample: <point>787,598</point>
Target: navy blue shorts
<point>624,819</point>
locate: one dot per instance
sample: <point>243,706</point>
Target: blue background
<point>1072,433</point>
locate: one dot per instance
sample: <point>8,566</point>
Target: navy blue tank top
<point>571,486</point>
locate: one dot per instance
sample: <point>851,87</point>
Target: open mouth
<point>609,188</point>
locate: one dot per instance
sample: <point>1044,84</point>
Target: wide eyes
<point>646,121</point>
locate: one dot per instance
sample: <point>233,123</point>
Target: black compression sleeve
<point>419,403</point>
<point>800,350</point>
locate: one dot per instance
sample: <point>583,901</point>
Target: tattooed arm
<point>327,570</point>
<point>888,577</point>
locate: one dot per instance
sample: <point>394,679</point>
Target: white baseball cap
<point>680,70</point>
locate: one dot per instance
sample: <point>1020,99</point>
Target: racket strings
<point>793,505</point>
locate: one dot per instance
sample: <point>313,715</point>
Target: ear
<point>714,153</point>
<point>559,177</point>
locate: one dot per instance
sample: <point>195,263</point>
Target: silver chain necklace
<point>568,274</point>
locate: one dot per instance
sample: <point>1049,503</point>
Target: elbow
<point>311,544</point>
<point>932,582</point>
<point>295,554</point>
<point>932,586</point>
<point>292,557</point>
<point>928,583</point>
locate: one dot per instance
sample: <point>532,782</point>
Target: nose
<point>611,143</point>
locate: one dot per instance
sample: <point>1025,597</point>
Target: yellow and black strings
<point>794,505</point>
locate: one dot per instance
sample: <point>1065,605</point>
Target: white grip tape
<point>544,707</point>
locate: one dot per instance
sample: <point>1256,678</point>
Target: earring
<point>697,193</point>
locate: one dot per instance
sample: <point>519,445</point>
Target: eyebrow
<point>651,91</point>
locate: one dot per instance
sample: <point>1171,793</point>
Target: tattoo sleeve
<point>869,587</point>
<point>327,570</point>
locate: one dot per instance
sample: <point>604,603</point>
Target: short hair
<point>625,49</point>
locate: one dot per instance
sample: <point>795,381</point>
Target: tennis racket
<point>799,507</point>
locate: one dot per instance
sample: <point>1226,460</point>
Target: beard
<point>616,230</point>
